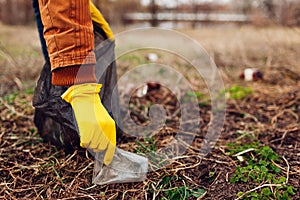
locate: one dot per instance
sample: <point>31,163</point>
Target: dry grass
<point>233,49</point>
<point>20,58</point>
<point>249,46</point>
<point>32,169</point>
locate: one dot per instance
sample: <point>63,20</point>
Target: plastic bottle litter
<point>125,167</point>
<point>152,57</point>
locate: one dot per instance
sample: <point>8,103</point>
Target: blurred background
<point>237,34</point>
<point>175,13</point>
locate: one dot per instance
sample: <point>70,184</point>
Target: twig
<point>154,192</point>
<point>244,112</point>
<point>5,184</point>
<point>77,197</point>
<point>244,134</point>
<point>64,164</point>
<point>116,194</point>
<point>248,115</point>
<point>274,119</point>
<point>38,195</point>
<point>13,110</point>
<point>215,180</point>
<point>288,169</point>
<point>24,189</point>
<point>10,195</point>
<point>80,174</point>
<point>187,167</point>
<point>280,139</point>
<point>259,187</point>
<point>131,190</point>
<point>93,186</point>
<point>184,189</point>
<point>243,152</point>
<point>219,161</point>
<point>190,179</point>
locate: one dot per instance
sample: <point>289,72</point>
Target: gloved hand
<point>96,128</point>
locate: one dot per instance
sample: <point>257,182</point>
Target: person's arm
<point>68,32</point>
<point>96,16</point>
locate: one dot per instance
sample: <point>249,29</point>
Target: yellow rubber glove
<point>99,19</point>
<point>96,128</point>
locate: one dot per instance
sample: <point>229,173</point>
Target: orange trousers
<point>68,31</point>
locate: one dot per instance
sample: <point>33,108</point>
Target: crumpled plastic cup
<point>125,167</point>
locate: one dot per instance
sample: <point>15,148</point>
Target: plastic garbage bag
<point>125,167</point>
<point>56,122</point>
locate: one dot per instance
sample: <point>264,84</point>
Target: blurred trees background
<point>270,12</point>
<point>15,12</point>
<point>262,12</point>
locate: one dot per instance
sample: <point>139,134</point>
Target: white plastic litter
<point>152,57</point>
<point>126,167</point>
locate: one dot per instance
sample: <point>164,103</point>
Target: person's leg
<point>40,27</point>
<point>68,32</point>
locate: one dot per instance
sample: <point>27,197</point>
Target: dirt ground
<point>269,115</point>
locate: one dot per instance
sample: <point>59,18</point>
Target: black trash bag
<point>54,118</point>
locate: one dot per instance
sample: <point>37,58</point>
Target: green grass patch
<point>191,96</point>
<point>11,98</point>
<point>257,164</point>
<point>147,146</point>
<point>174,188</point>
<point>133,59</point>
<point>238,92</point>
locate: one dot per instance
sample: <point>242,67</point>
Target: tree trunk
<point>15,12</point>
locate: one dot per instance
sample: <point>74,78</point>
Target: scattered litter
<point>152,57</point>
<point>146,88</point>
<point>142,91</point>
<point>251,74</point>
<point>126,167</point>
